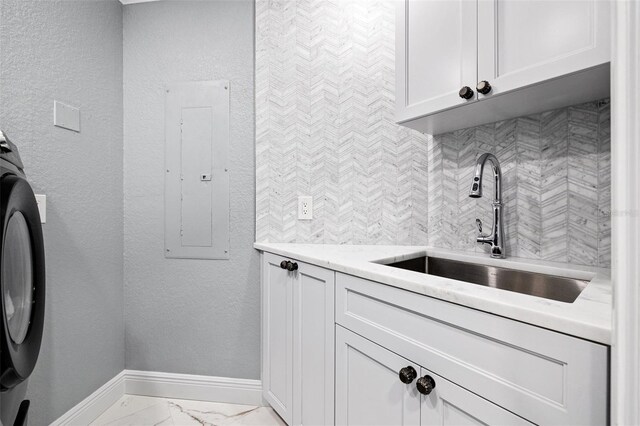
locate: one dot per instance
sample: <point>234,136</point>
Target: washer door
<point>22,281</point>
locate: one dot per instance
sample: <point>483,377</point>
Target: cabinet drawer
<point>541,375</point>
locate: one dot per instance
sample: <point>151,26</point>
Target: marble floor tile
<point>134,410</point>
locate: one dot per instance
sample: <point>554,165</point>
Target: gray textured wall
<point>188,316</point>
<point>71,51</point>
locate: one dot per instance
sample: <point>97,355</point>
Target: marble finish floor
<point>135,410</point>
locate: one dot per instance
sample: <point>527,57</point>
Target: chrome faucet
<point>496,237</point>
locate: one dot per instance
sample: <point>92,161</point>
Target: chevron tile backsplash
<point>556,177</point>
<point>325,127</point>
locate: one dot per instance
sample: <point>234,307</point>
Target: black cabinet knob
<point>283,264</point>
<point>292,266</point>
<point>483,87</point>
<point>425,385</point>
<point>407,375</point>
<point>466,92</point>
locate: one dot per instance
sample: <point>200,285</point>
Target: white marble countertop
<point>589,317</point>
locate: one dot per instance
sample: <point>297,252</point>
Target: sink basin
<point>551,287</point>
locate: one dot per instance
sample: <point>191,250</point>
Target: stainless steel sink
<point>547,286</point>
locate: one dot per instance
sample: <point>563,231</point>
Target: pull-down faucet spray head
<point>476,186</point>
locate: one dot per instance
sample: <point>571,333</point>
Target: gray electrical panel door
<point>197,176</point>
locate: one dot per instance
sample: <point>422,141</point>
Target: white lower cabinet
<point>369,391</point>
<point>543,376</point>
<point>298,340</point>
<point>334,346</point>
<point>277,336</point>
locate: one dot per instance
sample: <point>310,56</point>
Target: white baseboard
<point>164,385</point>
<point>95,404</point>
<point>191,386</point>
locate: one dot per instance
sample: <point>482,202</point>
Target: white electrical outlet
<point>305,207</point>
<point>41,200</point>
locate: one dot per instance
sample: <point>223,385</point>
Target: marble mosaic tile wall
<point>556,185</point>
<point>325,127</point>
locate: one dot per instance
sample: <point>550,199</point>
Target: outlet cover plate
<point>66,116</point>
<point>305,207</point>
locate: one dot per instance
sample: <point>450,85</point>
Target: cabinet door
<point>451,405</point>
<point>277,333</point>
<point>521,43</point>
<point>313,345</point>
<point>435,55</point>
<point>368,389</point>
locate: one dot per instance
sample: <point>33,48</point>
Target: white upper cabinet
<point>435,55</point>
<point>535,55</point>
<point>527,42</point>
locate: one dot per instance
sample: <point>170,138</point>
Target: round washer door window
<point>17,274</point>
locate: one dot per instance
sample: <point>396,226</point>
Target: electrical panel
<point>197,172</point>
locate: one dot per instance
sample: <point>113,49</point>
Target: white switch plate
<point>305,207</point>
<point>66,116</point>
<point>42,207</point>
